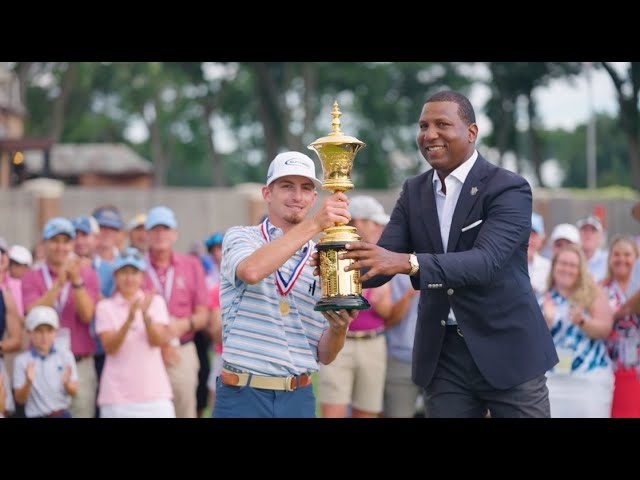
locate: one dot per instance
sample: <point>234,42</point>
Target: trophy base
<point>339,302</point>
<point>340,290</point>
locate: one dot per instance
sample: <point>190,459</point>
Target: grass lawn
<point>314,380</point>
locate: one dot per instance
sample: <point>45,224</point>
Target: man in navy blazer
<point>461,231</point>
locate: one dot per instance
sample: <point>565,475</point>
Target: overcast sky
<point>563,104</point>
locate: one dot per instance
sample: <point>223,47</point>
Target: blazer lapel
<point>471,191</point>
<point>428,202</point>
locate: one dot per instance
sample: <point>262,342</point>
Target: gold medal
<point>284,308</point>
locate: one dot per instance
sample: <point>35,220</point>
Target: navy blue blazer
<point>483,276</point>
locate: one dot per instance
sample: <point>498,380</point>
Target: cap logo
<point>295,161</point>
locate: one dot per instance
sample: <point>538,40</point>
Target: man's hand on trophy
<point>334,209</point>
<point>377,260</point>
<point>339,320</point>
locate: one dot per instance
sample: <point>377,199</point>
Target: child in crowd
<point>45,376</point>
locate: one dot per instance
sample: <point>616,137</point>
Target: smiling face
<point>445,140</point>
<point>622,255</point>
<point>57,249</point>
<point>566,269</point>
<point>289,199</point>
<point>42,338</point>
<point>128,280</point>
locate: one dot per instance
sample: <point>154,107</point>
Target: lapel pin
<point>474,190</point>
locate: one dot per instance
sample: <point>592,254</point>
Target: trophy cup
<point>340,289</point>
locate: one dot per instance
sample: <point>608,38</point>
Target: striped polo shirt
<point>256,337</point>
<point>589,355</point>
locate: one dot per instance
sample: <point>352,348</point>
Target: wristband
<point>80,284</point>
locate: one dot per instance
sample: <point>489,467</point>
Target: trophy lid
<point>336,136</point>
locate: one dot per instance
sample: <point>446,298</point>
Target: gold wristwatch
<point>415,266</point>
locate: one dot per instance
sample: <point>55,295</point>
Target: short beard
<point>293,219</point>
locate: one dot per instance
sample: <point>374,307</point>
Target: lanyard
<point>284,286</point>
<point>168,284</point>
<point>61,301</point>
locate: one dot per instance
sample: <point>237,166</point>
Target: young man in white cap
<point>20,260</point>
<point>72,290</point>
<point>273,338</point>
<point>591,237</point>
<point>562,235</point>
<point>45,377</point>
<point>179,279</point>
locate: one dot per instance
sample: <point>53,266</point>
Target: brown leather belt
<point>56,413</point>
<point>288,384</point>
<point>365,334</point>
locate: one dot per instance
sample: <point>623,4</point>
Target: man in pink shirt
<point>62,283</point>
<point>179,279</point>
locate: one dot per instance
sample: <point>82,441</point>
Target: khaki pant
<point>356,376</point>
<point>83,405</point>
<point>184,381</point>
<point>400,393</point>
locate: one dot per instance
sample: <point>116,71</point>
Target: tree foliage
<point>219,124</point>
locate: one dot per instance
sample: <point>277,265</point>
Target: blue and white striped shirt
<point>589,354</point>
<point>256,337</point>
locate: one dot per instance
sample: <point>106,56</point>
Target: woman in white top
<point>579,316</point>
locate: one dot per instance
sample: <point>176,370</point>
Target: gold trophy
<point>340,289</point>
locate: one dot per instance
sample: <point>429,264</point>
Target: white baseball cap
<point>21,255</point>
<point>292,163</point>
<point>364,207</point>
<point>565,231</point>
<point>41,315</point>
<point>590,220</point>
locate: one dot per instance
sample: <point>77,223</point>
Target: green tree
<point>513,81</point>
<point>627,85</point>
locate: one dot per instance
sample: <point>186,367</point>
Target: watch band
<point>415,266</point>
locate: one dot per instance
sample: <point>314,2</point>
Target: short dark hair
<point>465,109</point>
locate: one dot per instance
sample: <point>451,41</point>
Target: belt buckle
<point>288,383</point>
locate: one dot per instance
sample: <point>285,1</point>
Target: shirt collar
<point>120,300</point>
<point>461,172</point>
<point>274,232</point>
<point>172,261</point>
<point>35,354</point>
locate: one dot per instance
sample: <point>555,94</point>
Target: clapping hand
<point>31,372</point>
<point>146,301</point>
<point>548,309</point>
<point>66,374</point>
<point>72,267</point>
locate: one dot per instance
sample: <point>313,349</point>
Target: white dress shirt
<point>446,203</point>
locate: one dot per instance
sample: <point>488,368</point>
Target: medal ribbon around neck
<point>168,284</point>
<point>61,301</point>
<point>285,286</point>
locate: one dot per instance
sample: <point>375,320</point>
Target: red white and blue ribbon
<point>285,286</point>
